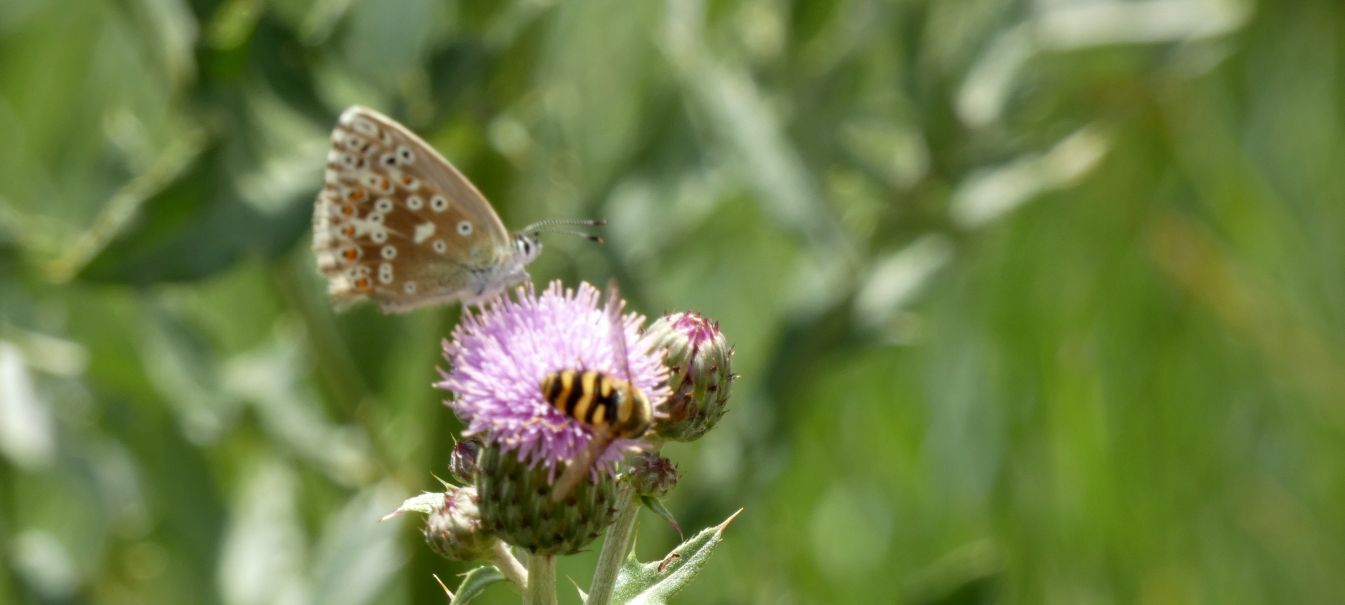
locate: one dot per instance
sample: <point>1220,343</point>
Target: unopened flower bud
<point>517,506</point>
<point>462,462</point>
<point>453,527</point>
<point>700,372</point>
<point>652,475</point>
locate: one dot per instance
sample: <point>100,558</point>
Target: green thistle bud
<point>516,505</point>
<point>652,475</point>
<point>462,462</point>
<point>453,528</point>
<point>700,371</point>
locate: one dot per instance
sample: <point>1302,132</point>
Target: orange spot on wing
<point>350,254</point>
<point>349,231</point>
<point>362,283</point>
<point>356,195</point>
<point>347,210</point>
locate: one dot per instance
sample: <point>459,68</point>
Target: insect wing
<point>618,327</point>
<point>396,222</point>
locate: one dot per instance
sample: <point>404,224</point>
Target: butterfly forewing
<point>397,223</point>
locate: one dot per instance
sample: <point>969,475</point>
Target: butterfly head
<point>527,245</point>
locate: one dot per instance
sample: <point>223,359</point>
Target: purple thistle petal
<point>499,355</point>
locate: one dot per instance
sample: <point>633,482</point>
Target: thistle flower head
<point>700,362</point>
<point>498,357</point>
<point>453,525</point>
<point>652,475</point>
<point>453,528</point>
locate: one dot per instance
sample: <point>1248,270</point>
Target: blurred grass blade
<point>357,556</point>
<point>895,279</point>
<point>179,162</point>
<point>262,557</point>
<point>27,430</point>
<point>987,195</point>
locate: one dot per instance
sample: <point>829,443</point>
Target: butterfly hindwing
<point>397,223</point>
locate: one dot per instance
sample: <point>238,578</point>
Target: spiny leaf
<point>424,503</point>
<point>475,582</point>
<point>583,596</point>
<point>655,582</point>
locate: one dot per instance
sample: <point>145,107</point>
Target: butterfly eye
<point>414,203</point>
<point>438,203</point>
<point>409,287</point>
<point>384,205</point>
<point>379,236</point>
<point>405,155</point>
<point>388,159</point>
<point>385,273</point>
<point>464,228</point>
<point>440,246</point>
<point>389,252</point>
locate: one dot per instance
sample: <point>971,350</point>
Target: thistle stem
<point>541,588</point>
<point>508,565</point>
<point>620,538</point>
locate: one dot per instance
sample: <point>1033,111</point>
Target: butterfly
<point>396,223</point>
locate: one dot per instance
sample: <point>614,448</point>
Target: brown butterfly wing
<point>397,223</point>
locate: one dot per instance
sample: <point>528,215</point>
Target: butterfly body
<point>396,223</point>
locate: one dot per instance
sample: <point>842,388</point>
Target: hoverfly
<point>610,405</point>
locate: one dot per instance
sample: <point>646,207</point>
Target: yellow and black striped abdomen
<point>587,396</point>
<point>598,400</point>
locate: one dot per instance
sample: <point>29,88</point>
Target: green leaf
<point>656,505</point>
<point>474,583</point>
<point>655,582</point>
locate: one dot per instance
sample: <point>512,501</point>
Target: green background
<point>1034,302</point>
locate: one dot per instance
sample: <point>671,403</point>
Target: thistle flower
<point>498,357</point>
<point>700,363</point>
<point>652,475</point>
<point>454,529</point>
<point>453,526</point>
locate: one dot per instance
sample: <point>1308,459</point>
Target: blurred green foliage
<point>1034,301</point>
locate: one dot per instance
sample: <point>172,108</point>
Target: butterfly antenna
<point>592,237</point>
<point>549,226</point>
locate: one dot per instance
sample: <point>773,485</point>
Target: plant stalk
<point>508,565</point>
<point>620,538</point>
<point>541,588</point>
